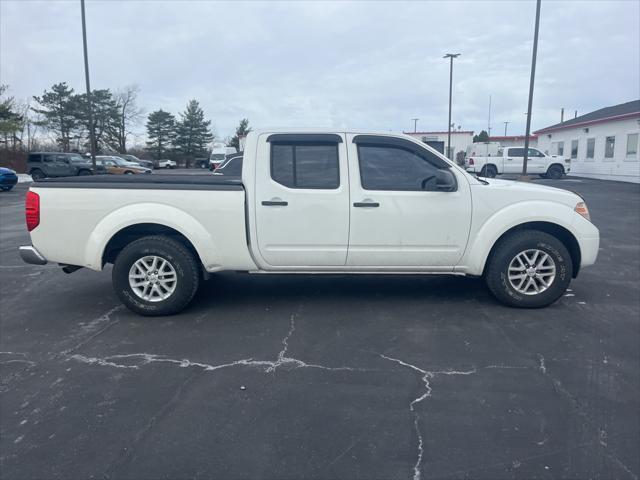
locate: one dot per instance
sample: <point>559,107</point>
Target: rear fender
<point>160,214</point>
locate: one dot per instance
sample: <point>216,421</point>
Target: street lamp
<point>415,124</point>
<point>531,81</point>
<point>92,136</point>
<point>450,56</point>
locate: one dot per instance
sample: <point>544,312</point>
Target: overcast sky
<point>370,65</point>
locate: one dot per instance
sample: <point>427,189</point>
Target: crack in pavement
<point>425,376</point>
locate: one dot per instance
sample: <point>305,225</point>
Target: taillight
<point>32,210</point>
<point>471,161</point>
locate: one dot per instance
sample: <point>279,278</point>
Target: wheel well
<point>561,233</point>
<point>129,234</point>
<point>556,165</point>
<point>487,165</point>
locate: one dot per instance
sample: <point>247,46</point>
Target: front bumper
<point>29,254</point>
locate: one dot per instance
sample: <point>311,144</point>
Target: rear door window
<point>516,152</point>
<point>305,165</point>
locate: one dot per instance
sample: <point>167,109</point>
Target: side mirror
<point>445,181</point>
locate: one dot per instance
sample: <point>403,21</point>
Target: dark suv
<point>55,164</point>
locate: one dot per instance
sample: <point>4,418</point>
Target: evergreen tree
<point>483,136</point>
<point>59,110</point>
<point>10,120</point>
<point>105,116</point>
<point>192,132</point>
<point>241,131</point>
<point>161,127</point>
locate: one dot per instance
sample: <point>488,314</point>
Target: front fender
<point>160,214</point>
<point>488,233</point>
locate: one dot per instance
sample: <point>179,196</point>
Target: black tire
<point>496,273</point>
<point>555,172</point>
<point>37,175</point>
<point>84,173</point>
<point>7,189</point>
<point>181,259</point>
<point>543,175</point>
<point>489,171</point>
<point>128,172</point>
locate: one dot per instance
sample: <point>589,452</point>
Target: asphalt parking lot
<point>324,376</point>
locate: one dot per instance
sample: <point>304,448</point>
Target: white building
<point>460,139</point>
<point>602,144</point>
<point>515,140</point>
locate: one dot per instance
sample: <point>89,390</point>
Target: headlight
<point>582,209</point>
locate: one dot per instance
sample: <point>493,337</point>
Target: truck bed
<point>146,182</point>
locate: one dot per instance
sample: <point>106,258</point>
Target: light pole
<point>92,137</point>
<point>505,128</point>
<point>531,82</point>
<point>450,56</point>
<point>415,124</point>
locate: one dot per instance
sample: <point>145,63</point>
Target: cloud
<point>372,65</point>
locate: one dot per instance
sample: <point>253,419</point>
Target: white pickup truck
<point>313,202</point>
<point>510,160</point>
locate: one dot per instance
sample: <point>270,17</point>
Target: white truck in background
<point>219,152</point>
<point>511,159</point>
<point>309,201</point>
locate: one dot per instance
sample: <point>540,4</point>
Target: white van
<point>484,149</point>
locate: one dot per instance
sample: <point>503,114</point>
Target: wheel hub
<point>152,278</point>
<point>531,272</point>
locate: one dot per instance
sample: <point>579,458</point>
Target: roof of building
<point>615,112</point>
<point>511,137</point>
<point>466,132</point>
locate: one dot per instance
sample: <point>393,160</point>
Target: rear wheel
<point>84,172</point>
<point>555,172</point>
<point>156,275</point>
<point>37,175</point>
<point>529,269</point>
<point>489,171</point>
<point>128,173</point>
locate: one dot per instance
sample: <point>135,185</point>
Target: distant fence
<point>15,160</point>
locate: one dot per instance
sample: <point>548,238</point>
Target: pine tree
<point>192,132</point>
<point>241,131</point>
<point>161,128</point>
<point>59,108</point>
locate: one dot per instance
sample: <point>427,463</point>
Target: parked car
<point>133,159</point>
<point>117,165</point>
<point>41,165</point>
<point>314,202</point>
<point>230,167</point>
<point>8,179</point>
<point>511,159</point>
<point>167,164</point>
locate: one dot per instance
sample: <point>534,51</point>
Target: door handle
<point>274,203</point>
<point>366,204</point>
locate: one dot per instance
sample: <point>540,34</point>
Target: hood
<point>520,191</point>
<point>5,171</point>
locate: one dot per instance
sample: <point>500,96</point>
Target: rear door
<point>399,219</point>
<point>302,200</point>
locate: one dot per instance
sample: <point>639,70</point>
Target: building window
<point>609,147</point>
<point>557,148</point>
<point>591,147</point>
<point>632,145</point>
<point>574,148</point>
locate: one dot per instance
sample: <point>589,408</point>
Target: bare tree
<point>128,114</point>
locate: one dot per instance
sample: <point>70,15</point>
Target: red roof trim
<point>589,122</point>
<point>467,132</point>
<point>513,137</point>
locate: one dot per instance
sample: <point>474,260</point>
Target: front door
<point>302,200</point>
<point>399,218</point>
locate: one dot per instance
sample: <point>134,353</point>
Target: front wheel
<point>156,275</point>
<point>529,269</point>
<point>7,189</point>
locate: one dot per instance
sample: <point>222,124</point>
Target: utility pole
<point>450,56</point>
<point>531,82</point>
<point>415,124</point>
<point>505,128</point>
<point>489,120</point>
<point>92,136</point>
